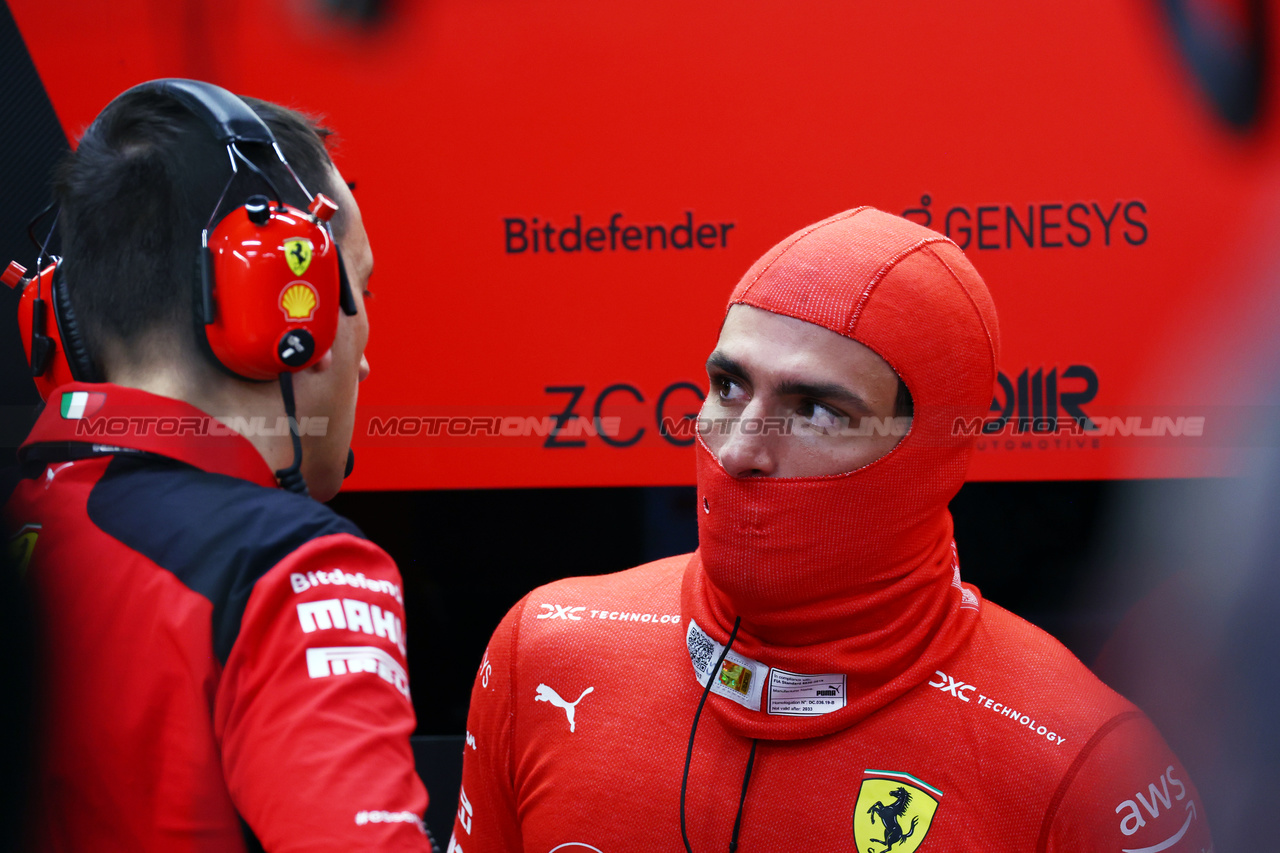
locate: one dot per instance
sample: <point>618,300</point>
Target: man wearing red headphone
<point>225,657</point>
<point>816,675</point>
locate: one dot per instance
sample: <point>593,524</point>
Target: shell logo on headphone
<point>298,301</point>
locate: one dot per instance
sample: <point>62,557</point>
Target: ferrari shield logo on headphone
<point>297,251</point>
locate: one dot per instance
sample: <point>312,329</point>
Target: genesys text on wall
<point>1078,224</point>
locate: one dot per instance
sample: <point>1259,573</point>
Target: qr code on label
<point>701,651</point>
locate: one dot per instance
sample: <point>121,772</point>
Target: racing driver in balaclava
<point>816,676</point>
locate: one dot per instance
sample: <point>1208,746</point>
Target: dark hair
<point>903,405</point>
<point>136,194</point>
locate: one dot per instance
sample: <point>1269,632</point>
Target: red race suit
<point>224,661</point>
<point>868,700</point>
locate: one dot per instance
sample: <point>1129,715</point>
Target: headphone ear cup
<point>271,293</point>
<point>79,360</point>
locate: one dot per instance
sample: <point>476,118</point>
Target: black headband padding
<point>83,368</point>
<point>229,118</point>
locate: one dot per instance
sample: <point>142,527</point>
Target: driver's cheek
<point>713,422</point>
<point>713,406</point>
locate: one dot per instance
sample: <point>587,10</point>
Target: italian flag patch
<point>81,404</point>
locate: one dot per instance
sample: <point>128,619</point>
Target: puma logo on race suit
<point>889,817</point>
<point>546,694</point>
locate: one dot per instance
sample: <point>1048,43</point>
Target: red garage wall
<point>1121,225</point>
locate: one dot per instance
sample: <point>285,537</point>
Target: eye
<point>821,417</point>
<point>729,390</point>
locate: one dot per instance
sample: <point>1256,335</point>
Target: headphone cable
<point>693,731</point>
<point>742,799</point>
<point>253,167</point>
<point>291,479</point>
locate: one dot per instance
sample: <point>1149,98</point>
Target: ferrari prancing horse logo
<point>894,812</point>
<point>297,251</point>
<point>22,545</point>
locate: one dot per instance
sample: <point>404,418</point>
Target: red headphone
<point>271,276</point>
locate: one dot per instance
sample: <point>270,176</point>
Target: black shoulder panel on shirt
<point>216,534</point>
<point>9,478</point>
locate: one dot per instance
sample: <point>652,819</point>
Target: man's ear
<point>325,362</point>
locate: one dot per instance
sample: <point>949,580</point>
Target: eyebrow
<point>823,391</point>
<point>719,361</point>
<point>829,391</point>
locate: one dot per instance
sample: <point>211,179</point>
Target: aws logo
<point>894,812</point>
<point>1133,818</point>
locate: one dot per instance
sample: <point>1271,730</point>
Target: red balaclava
<point>853,574</point>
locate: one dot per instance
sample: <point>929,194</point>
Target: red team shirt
<point>580,719</point>
<point>226,661</point>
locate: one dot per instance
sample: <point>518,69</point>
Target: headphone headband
<point>227,117</point>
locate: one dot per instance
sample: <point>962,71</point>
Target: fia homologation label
<point>794,694</point>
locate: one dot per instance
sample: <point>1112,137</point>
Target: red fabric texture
<point>854,573</point>
<point>198,439</point>
<point>1030,751</point>
<point>304,757</point>
<point>149,742</point>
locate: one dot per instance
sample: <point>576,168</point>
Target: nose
<point>748,450</point>
<point>364,368</point>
